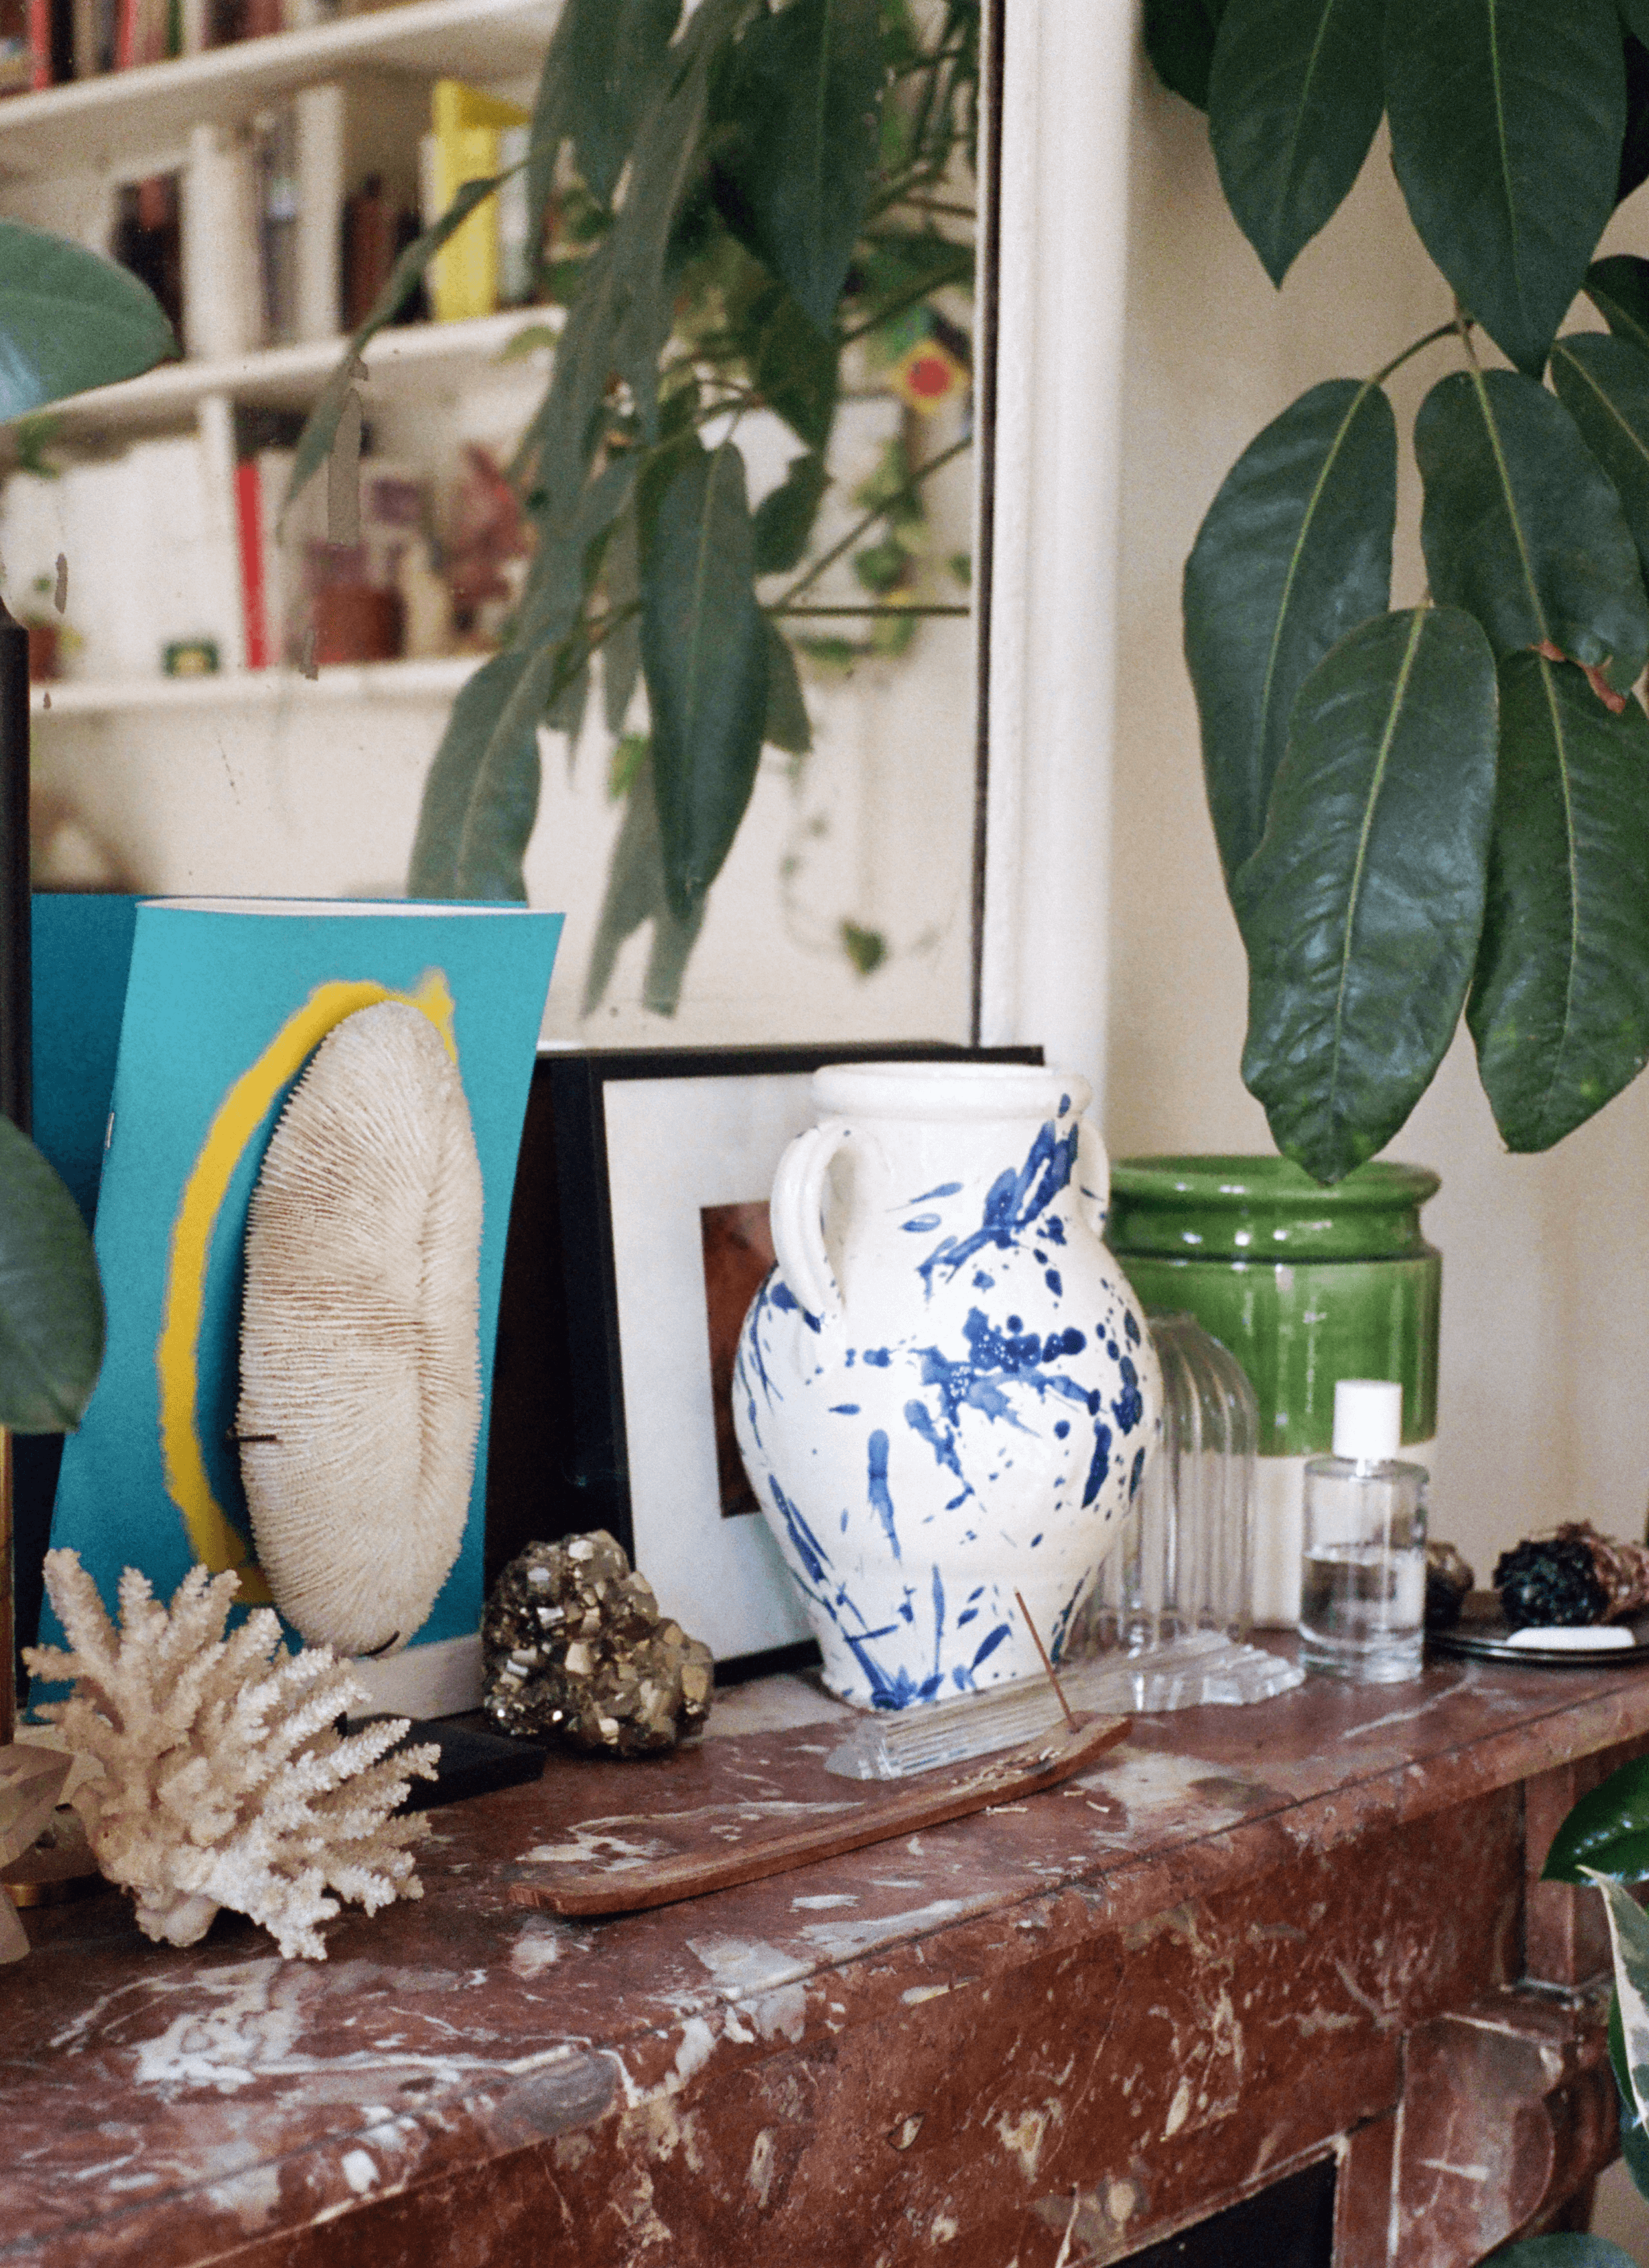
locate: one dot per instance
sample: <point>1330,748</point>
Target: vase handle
<point>795,1215</point>
<point>1092,1176</point>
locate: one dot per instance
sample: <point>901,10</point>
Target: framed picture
<point>639,1239</point>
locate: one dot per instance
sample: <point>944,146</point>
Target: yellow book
<point>464,147</point>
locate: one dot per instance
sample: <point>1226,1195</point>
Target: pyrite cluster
<point>574,1645</point>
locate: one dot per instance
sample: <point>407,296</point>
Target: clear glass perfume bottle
<point>1363,1575</point>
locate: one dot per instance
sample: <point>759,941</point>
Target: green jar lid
<point>1230,1208</point>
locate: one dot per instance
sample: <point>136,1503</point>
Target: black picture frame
<point>560,1448</point>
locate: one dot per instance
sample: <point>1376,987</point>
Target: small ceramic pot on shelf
<point>944,1392</point>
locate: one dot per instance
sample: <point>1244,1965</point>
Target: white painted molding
<point>1066,72</point>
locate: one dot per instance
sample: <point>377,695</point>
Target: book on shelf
<point>150,552</point>
<point>300,594</point>
<point>466,143</point>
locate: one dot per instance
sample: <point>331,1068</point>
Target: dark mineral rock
<point>1448,1579</point>
<point>575,1646</point>
<point>1552,1579</point>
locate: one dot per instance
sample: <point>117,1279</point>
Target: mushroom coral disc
<point>360,1400</point>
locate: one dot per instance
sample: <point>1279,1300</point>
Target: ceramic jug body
<point>944,1390</point>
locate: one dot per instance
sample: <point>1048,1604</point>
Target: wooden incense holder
<point>893,1809</point>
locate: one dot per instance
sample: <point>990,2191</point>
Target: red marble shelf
<point>1240,1941</point>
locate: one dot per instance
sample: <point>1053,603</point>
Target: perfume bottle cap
<point>1368,1420</point>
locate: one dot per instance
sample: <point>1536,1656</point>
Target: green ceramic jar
<point>1305,1286</point>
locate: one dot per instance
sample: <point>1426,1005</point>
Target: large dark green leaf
<point>315,442</point>
<point>69,319</point>
<point>621,649</point>
<point>1506,133</point>
<point>1560,1003</point>
<point>599,73</point>
<point>1295,551</point>
<point>1522,528</point>
<point>1604,385</point>
<point>51,1305</point>
<point>1618,288</point>
<point>793,367</point>
<point>635,893</point>
<point>1293,101</point>
<point>619,320</point>
<point>450,785</point>
<point>785,515</point>
<point>1180,42</point>
<point>704,653</point>
<point>1362,907</point>
<point>786,725</point>
<point>1607,1830</point>
<point>1634,154</point>
<point>803,100</point>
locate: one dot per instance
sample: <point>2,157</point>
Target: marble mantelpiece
<point>1054,2032</point>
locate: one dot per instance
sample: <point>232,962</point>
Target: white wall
<point>1543,1414</point>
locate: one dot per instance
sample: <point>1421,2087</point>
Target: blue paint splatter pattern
<point>979,1434</point>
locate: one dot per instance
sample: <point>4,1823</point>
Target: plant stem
<point>1443,331</point>
<point>911,298</point>
<point>937,205</point>
<point>865,613</point>
<point>860,527</point>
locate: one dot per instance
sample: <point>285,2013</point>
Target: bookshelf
<point>375,683</point>
<point>125,115</point>
<point>429,389</point>
<point>428,356</point>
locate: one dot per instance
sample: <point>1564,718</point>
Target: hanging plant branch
<point>716,182</point>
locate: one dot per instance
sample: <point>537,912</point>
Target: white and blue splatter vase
<point>944,1391</point>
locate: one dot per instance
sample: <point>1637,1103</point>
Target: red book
<point>254,589</point>
<point>40,42</point>
<point>128,24</point>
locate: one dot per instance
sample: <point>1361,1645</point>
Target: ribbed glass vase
<point>1167,1624</point>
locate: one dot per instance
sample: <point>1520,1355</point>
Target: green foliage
<point>1295,551</point>
<point>1508,866</point>
<point>1606,1832</point>
<point>1362,906</point>
<point>1507,144</point>
<point>51,1305</point>
<point>704,651</point>
<point>69,319</point>
<point>1559,1008</point>
<point>1286,155</point>
<point>735,193</point>
<point>805,92</point>
<point>1523,526</point>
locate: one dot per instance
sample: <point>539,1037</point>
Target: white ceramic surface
<point>944,1390</point>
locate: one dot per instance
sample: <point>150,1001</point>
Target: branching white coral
<point>226,1782</point>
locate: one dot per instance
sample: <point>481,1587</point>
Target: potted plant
<point>737,200</point>
<point>1441,808</point>
<point>68,320</point>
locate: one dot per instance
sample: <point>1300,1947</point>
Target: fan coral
<point>226,1782</point>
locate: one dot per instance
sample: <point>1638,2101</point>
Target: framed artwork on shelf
<point>638,1237</point>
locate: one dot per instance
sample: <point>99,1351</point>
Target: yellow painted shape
<point>217,1542</point>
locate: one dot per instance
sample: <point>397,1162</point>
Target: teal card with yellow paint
<point>226,1002</point>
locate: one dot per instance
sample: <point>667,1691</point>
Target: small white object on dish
<point>1585,1637</point>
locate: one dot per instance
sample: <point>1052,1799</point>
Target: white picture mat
<point>673,1146</point>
